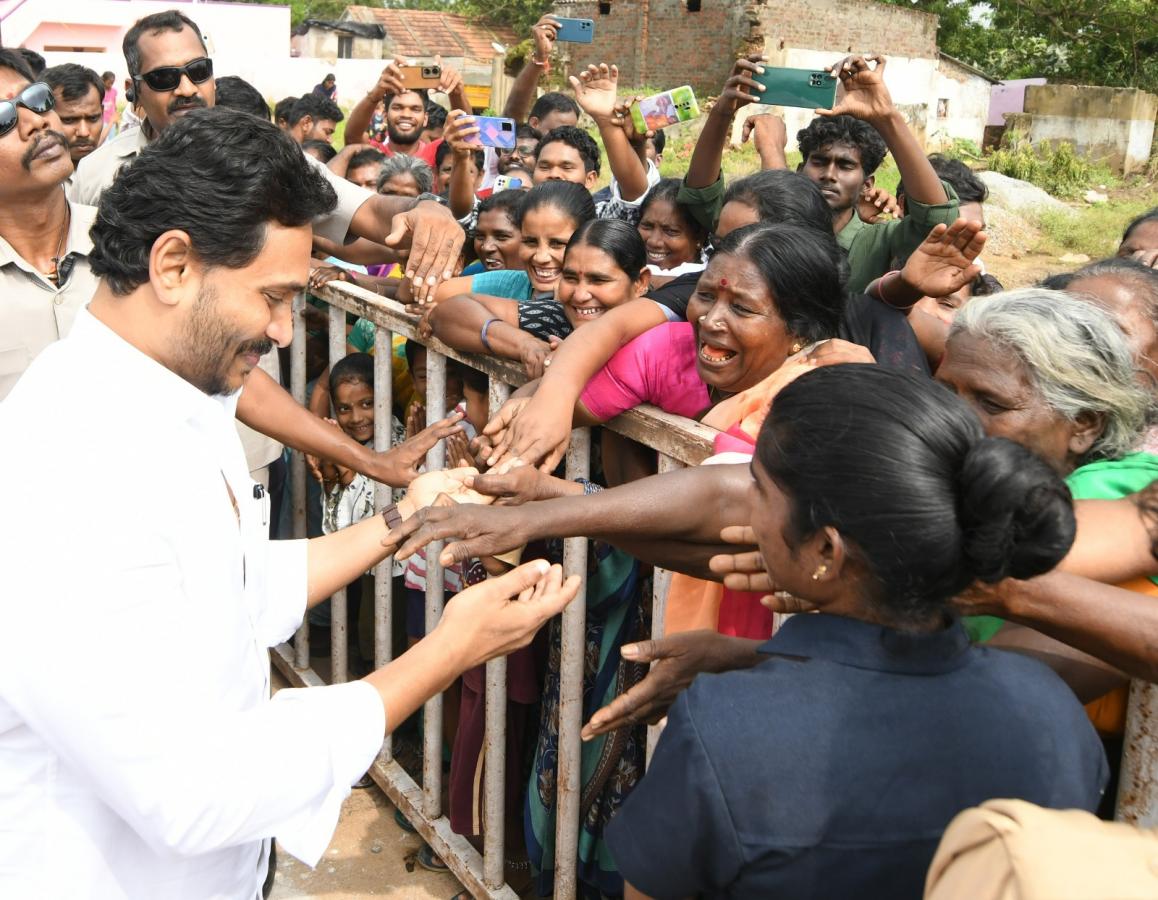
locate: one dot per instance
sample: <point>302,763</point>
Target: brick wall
<point>666,48</point>
<point>670,46</point>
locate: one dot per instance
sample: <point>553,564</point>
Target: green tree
<point>300,10</point>
<point>1103,42</point>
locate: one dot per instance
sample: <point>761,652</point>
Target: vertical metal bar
<point>298,462</point>
<point>571,692</point>
<point>660,584</point>
<point>384,571</point>
<point>432,714</point>
<point>495,740</point>
<point>1138,783</point>
<point>339,645</point>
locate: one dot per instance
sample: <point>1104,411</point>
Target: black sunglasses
<point>166,78</point>
<point>37,97</point>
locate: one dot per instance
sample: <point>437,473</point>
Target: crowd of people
<point>927,535</point>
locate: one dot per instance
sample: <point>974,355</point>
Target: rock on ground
<point>1019,197</point>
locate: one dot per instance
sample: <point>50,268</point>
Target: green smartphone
<point>806,88</point>
<point>660,110</point>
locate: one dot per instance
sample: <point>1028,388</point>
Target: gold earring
<point>820,572</point>
<point>797,347</point>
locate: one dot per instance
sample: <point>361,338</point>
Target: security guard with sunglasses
<point>44,244</point>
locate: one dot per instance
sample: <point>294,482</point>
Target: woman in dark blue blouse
<point>831,769</point>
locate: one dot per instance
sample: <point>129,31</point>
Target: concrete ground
<point>370,856</point>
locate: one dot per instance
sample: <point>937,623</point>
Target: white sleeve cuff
<point>653,179</point>
<point>348,722</point>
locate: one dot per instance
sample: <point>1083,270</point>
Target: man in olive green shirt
<point>842,148</point>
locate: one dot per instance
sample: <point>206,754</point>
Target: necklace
<point>54,274</point>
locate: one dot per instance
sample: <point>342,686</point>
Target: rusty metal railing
<point>677,442</point>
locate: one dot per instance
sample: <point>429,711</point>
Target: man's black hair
<point>316,107</point>
<point>35,61</point>
<point>170,20</point>
<point>553,101</point>
<point>575,137</point>
<point>324,149</point>
<point>237,93</point>
<point>422,93</point>
<point>526,131</point>
<point>73,81</point>
<point>11,59</point>
<point>367,156</point>
<point>435,115</point>
<point>1148,216</point>
<point>659,141</point>
<point>221,176</point>
<point>353,368</point>
<point>444,150</point>
<point>281,109</point>
<point>963,180</point>
<point>846,130</point>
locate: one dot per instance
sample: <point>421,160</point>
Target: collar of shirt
<point>160,389</point>
<point>78,243</point>
<point>863,645</point>
<point>855,226</point>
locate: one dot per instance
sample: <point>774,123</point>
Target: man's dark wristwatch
<point>433,197</point>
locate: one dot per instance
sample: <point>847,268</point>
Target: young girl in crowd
<point>549,215</point>
<point>603,266</point>
<point>832,768</point>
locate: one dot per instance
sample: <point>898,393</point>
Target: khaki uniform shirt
<point>33,311</point>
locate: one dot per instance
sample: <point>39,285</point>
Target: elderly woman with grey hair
<point>1055,373</point>
<point>405,176</point>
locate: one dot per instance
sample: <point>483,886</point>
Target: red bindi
<point>723,282</point>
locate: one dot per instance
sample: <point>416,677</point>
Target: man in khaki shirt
<point>44,243</point>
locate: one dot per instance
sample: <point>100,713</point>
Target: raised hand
<point>458,449</point>
<point>460,127</point>
<point>946,260</point>
<point>743,570</point>
<point>389,82</point>
<point>481,531</point>
<point>876,205</point>
<point>543,35</point>
<point>863,92</point>
<point>740,89</point>
<point>770,138</point>
<point>595,90</point>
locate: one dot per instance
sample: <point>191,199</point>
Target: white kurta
<point>140,754</point>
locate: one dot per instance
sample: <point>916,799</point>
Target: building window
<point>605,8</point>
<point>693,5</point>
<point>943,108</point>
<point>345,46</point>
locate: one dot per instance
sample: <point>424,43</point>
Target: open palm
<point>945,261</point>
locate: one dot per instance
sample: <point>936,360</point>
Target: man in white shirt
<point>140,754</point>
<point>173,76</point>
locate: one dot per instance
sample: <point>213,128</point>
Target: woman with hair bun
<point>876,497</point>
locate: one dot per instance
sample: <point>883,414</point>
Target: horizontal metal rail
<point>677,441</point>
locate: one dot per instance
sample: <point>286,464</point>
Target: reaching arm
<point>541,432</point>
<point>767,132</point>
<point>459,128</point>
<point>1116,538</point>
<point>673,520</point>
<point>522,95</point>
<point>266,407</point>
<point>739,90</point>
<point>595,92</point>
<point>389,83</point>
<point>340,164</point>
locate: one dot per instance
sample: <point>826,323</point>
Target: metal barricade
<point>677,442</point>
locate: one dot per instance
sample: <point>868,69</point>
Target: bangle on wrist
<point>483,334</point>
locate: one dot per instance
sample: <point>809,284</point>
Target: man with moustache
<point>80,94</point>
<point>172,76</point>
<point>124,776</point>
<point>45,277</point>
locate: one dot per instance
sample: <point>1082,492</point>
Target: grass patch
<point>1094,230</point>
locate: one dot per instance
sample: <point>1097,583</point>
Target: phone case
<point>494,131</point>
<point>507,183</point>
<point>426,76</point>
<point>659,111</point>
<point>805,88</point>
<point>576,31</point>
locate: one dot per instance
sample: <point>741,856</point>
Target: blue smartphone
<point>576,31</point>
<point>494,131</point>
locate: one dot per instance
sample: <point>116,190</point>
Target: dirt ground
<point>370,856</point>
